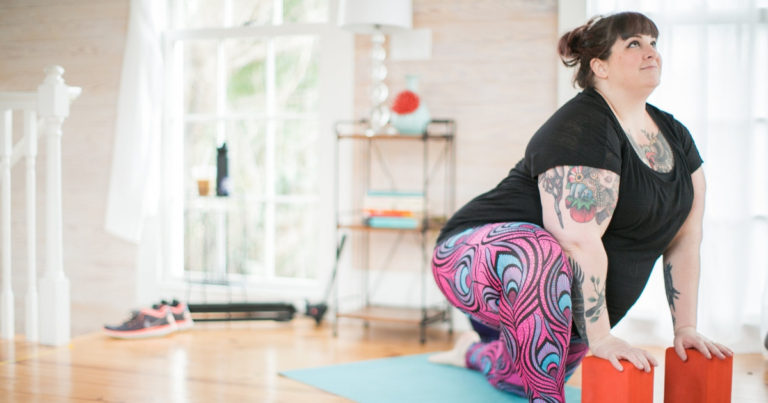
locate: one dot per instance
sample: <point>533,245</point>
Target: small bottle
<point>222,171</point>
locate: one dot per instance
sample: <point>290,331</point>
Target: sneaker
<point>181,314</point>
<point>144,323</point>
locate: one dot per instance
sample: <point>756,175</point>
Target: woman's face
<point>634,63</point>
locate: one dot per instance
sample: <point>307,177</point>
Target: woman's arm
<point>577,205</point>
<point>681,278</point>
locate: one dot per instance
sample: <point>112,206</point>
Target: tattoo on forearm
<point>672,293</point>
<point>593,314</point>
<point>657,152</point>
<point>552,182</point>
<point>577,300</point>
<point>580,316</point>
<point>592,193</point>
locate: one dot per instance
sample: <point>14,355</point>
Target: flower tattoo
<point>592,194</point>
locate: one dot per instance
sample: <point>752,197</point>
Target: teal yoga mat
<point>408,378</point>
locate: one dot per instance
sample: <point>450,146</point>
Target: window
<point>250,76</point>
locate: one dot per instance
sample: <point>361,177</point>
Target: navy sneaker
<point>144,323</point>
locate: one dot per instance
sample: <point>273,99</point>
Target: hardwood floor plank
<point>236,361</point>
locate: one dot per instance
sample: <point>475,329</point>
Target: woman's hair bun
<point>572,43</point>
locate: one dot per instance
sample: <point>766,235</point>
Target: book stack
<point>393,209</point>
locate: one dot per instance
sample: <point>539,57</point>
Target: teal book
<point>392,222</point>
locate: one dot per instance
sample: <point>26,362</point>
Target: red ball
<point>406,102</point>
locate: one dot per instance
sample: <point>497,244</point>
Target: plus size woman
<point>548,261</point>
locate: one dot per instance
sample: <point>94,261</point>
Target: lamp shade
<point>370,16</point>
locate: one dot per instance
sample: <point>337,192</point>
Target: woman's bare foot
<point>457,355</point>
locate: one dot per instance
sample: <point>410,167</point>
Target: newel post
<point>54,97</point>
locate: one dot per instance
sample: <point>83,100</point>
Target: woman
<point>615,183</point>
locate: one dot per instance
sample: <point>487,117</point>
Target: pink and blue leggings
<point>514,277</point>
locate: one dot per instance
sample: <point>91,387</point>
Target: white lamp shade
<point>370,16</point>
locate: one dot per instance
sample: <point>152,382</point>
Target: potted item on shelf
<point>409,114</point>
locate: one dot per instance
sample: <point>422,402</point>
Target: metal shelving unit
<point>440,134</point>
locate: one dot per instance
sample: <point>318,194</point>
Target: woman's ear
<point>599,68</point>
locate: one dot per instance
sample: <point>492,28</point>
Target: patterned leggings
<point>514,277</point>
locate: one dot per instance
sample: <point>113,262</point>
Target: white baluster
<point>53,106</point>
<point>6,295</point>
<point>30,136</point>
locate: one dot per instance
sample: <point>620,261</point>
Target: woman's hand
<point>613,348</point>
<point>687,337</point>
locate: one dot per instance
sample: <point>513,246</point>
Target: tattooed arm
<point>587,196</point>
<point>681,278</point>
<point>577,205</point>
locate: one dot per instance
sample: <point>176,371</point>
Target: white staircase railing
<point>47,322</point>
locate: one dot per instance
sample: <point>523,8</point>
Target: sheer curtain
<point>715,59</point>
<point>133,201</point>
<point>134,181</point>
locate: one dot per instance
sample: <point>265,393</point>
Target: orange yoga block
<point>602,383</point>
<point>698,379</point>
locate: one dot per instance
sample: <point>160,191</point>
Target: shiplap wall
<point>493,70</point>
<point>87,38</point>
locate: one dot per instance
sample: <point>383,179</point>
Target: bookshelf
<point>416,210</point>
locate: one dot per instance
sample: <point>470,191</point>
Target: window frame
<point>335,59</point>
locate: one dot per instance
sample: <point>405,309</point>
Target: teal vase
<point>409,114</point>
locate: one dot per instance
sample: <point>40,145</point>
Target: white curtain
<point>134,186</point>
<point>715,59</point>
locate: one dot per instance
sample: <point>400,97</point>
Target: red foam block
<point>698,379</point>
<point>602,383</point>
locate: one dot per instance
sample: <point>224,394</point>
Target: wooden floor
<point>235,362</point>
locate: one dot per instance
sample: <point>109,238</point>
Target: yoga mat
<point>408,378</point>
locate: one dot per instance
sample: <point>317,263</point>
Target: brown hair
<point>595,39</point>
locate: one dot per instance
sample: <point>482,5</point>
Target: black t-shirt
<point>651,207</point>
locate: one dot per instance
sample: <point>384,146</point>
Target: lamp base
<point>379,114</point>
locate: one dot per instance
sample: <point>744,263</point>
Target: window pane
<point>200,76</point>
<point>305,11</point>
<point>252,12</point>
<point>246,237</point>
<point>686,7</point>
<point>727,42</point>
<point>201,13</point>
<point>296,149</point>
<point>295,240</point>
<point>199,159</point>
<point>199,242</point>
<point>720,5</point>
<point>246,143</point>
<point>605,7</point>
<point>297,70</point>
<point>760,66</point>
<point>759,148</point>
<point>246,75</point>
<point>218,225</point>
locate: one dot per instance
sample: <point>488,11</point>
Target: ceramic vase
<point>409,114</point>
